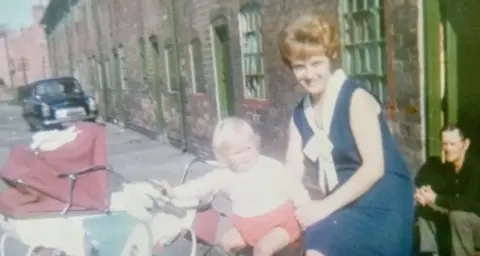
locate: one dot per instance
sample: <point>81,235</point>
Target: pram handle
<point>163,204</point>
<point>168,208</point>
<point>82,171</point>
<point>197,159</point>
<point>72,177</point>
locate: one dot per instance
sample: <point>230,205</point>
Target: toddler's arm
<point>210,182</point>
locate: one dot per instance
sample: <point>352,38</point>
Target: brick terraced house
<point>175,67</point>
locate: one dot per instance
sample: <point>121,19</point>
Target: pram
<point>64,199</point>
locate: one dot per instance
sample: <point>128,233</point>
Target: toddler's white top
<point>260,190</point>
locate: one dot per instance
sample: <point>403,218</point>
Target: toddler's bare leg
<point>272,242</point>
<point>232,241</point>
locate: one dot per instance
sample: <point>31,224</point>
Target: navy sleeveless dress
<point>380,222</point>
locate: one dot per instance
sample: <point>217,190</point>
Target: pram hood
<point>45,174</point>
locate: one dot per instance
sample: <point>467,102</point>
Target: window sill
<point>257,103</point>
<point>200,96</point>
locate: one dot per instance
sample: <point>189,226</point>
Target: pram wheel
<point>138,244</point>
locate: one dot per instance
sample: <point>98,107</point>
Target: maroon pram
<point>72,178</point>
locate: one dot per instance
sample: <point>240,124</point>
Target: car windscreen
<point>58,87</point>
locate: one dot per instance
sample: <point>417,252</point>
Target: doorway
<point>462,67</point>
<point>451,42</point>
<point>222,67</point>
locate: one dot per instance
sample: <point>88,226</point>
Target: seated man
<point>448,194</point>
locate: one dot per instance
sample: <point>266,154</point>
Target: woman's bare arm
<point>364,111</point>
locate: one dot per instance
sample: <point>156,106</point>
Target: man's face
<point>453,145</point>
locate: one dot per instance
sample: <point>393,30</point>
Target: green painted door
<point>463,62</point>
<point>221,49</point>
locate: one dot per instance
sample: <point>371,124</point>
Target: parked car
<point>56,101</point>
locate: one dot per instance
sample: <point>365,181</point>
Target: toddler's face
<point>242,154</point>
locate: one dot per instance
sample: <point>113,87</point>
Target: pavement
<point>131,154</point>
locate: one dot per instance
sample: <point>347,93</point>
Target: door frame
<point>432,68</point>
<point>441,79</point>
<point>220,20</point>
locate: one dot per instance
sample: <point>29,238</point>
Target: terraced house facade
<point>175,67</point>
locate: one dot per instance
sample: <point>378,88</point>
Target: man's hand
<point>428,195</point>
<point>419,197</point>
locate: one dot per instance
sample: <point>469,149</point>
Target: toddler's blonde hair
<point>227,132</point>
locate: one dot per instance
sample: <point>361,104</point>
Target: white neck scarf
<point>319,147</point>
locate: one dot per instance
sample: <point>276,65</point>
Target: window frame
<point>167,52</point>
<point>364,49</point>
<point>143,57</point>
<point>194,69</point>
<point>245,27</point>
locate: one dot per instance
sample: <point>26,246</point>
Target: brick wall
<point>124,22</point>
<point>26,45</point>
<point>408,121</point>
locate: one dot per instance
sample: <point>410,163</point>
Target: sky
<point>16,13</point>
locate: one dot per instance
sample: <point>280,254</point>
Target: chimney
<point>37,12</point>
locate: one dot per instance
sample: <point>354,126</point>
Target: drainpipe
<point>102,89</point>
<point>181,89</point>
<point>69,36</point>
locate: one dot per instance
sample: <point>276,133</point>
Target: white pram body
<point>128,226</point>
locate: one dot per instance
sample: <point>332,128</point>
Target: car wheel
<point>32,127</point>
<point>36,127</point>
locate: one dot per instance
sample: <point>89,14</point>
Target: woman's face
<point>312,73</point>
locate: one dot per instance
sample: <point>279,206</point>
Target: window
<point>252,53</point>
<point>170,69</point>
<point>143,57</point>
<point>196,66</point>
<point>56,87</point>
<point>363,41</point>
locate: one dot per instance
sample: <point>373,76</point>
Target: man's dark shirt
<point>455,191</point>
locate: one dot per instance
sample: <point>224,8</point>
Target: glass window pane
<point>360,5</point>
<point>372,3</point>
<point>198,66</point>
<point>373,56</point>
<point>251,42</point>
<point>349,32</point>
<point>382,58</point>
